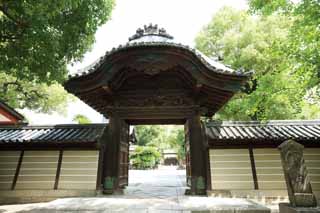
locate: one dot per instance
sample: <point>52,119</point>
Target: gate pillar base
<point>197,186</point>
<point>113,191</point>
<point>199,192</point>
<point>110,185</point>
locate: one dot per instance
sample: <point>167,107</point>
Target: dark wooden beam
<point>187,78</point>
<point>197,155</point>
<point>253,168</point>
<point>142,92</point>
<point>111,157</point>
<point>207,156</point>
<point>155,121</point>
<point>56,182</point>
<point>198,87</point>
<point>216,92</point>
<point>100,168</point>
<point>16,175</point>
<point>108,90</point>
<point>157,113</point>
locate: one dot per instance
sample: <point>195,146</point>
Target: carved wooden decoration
<point>296,175</point>
<point>155,101</point>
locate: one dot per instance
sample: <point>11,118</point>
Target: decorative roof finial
<point>150,30</point>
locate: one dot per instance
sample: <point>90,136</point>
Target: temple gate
<point>154,80</point>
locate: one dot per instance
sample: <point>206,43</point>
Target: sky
<point>182,19</point>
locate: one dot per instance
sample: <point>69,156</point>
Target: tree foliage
<point>277,90</point>
<point>177,141</point>
<point>81,119</point>
<point>145,157</point>
<point>36,96</point>
<point>148,134</point>
<point>162,137</point>
<point>303,41</point>
<point>38,40</point>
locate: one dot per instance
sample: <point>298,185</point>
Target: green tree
<point>176,140</point>
<point>81,119</point>
<point>303,41</point>
<point>162,137</point>
<point>181,144</point>
<point>38,40</point>
<point>37,96</point>
<point>145,157</point>
<point>257,43</point>
<point>148,134</point>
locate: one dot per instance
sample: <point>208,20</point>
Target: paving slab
<point>194,204</point>
<point>156,191</point>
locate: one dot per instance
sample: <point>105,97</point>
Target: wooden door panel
<point>188,161</point>
<point>124,155</point>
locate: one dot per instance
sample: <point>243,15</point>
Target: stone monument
<point>298,183</point>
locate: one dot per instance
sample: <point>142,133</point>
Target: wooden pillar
<point>101,165</point>
<point>111,157</point>
<point>56,182</point>
<point>208,167</point>
<point>253,168</point>
<point>198,155</point>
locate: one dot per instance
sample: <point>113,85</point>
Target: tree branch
<point>8,37</point>
<point>4,10</point>
<point>29,95</point>
<point>248,89</point>
<point>282,90</point>
<point>6,85</point>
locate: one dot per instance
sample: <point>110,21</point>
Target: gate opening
<point>158,160</point>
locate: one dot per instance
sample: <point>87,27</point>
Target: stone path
<point>166,182</point>
<point>155,191</point>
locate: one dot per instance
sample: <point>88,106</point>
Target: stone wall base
<point>33,196</point>
<point>266,196</point>
<point>249,193</point>
<point>286,208</point>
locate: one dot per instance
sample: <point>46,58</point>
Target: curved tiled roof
<point>151,36</point>
<point>270,130</point>
<point>72,133</point>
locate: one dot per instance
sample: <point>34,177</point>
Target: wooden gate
<point>187,150</point>
<point>124,155</point>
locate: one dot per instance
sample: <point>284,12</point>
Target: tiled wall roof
<point>58,133</point>
<point>269,130</point>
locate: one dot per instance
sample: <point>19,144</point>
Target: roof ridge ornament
<point>150,30</point>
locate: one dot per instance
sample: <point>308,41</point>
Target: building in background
<point>170,157</point>
<point>9,116</point>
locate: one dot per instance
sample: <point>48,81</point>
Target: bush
<point>145,157</point>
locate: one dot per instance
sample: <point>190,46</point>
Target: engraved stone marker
<point>296,175</point>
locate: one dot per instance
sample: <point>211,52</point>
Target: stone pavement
<point>155,191</point>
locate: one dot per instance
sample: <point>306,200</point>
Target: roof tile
<point>273,130</point>
<point>51,134</point>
